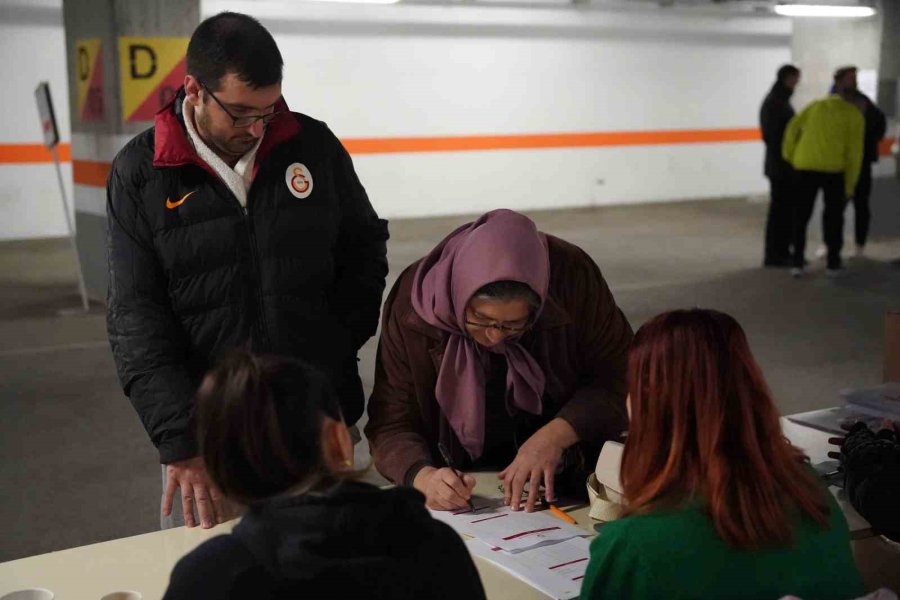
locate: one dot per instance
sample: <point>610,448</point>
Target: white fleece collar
<point>237,179</point>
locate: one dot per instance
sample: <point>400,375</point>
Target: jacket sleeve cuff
<point>594,421</point>
<point>177,448</point>
<point>411,472</point>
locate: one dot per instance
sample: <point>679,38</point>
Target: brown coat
<point>580,340</point>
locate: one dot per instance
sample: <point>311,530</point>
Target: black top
<point>774,116</point>
<point>356,541</point>
<point>876,127</point>
<point>871,463</point>
<point>499,425</point>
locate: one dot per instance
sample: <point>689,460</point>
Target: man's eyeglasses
<point>501,327</point>
<point>242,121</point>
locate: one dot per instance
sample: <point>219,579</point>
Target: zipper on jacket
<point>255,271</point>
<point>256,279</point>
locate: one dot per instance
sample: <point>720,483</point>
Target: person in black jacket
<point>774,116</point>
<point>876,128</point>
<point>234,223</point>
<point>272,436</point>
<point>845,83</point>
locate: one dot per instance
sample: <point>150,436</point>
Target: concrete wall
<point>388,72</point>
<point>31,50</point>
<point>820,46</point>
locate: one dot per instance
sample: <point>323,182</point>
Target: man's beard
<point>232,147</point>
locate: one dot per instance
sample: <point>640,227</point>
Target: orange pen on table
<point>557,512</point>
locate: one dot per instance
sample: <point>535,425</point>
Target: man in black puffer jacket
<point>234,223</point>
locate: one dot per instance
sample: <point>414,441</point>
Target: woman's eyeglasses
<point>499,326</point>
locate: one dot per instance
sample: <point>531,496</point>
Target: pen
<point>562,514</point>
<point>446,456</point>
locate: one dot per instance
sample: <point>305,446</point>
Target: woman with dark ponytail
<point>273,438</point>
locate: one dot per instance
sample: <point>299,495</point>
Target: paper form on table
<point>513,531</point>
<point>556,570</point>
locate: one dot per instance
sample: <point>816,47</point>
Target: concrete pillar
<point>889,69</point>
<point>889,73</point>
<point>101,124</point>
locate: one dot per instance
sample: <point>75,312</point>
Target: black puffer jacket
<point>193,275</point>
<point>774,116</point>
<point>355,542</point>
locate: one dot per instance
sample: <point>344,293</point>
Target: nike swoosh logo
<point>172,205</point>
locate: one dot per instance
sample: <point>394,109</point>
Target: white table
<point>143,563</point>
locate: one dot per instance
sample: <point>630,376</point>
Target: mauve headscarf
<point>500,246</point>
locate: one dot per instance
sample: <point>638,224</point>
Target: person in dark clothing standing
<point>824,144</point>
<point>273,437</point>
<point>774,116</point>
<point>876,128</point>
<point>234,223</point>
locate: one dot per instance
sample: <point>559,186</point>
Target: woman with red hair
<point>719,503</point>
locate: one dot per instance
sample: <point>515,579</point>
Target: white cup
<point>122,595</point>
<point>29,594</point>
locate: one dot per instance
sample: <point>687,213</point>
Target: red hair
<point>704,426</point>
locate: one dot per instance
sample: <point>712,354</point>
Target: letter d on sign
<point>133,53</point>
<point>84,64</point>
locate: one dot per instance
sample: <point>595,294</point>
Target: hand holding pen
<point>444,488</point>
<point>446,456</point>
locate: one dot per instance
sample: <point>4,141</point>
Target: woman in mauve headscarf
<point>504,347</point>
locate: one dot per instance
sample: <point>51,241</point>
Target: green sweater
<point>678,555</point>
<point>827,137</point>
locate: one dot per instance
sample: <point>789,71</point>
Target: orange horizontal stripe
<point>547,140</point>
<point>32,153</point>
<point>90,172</point>
<point>95,173</point>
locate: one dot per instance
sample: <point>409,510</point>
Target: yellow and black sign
<point>151,71</point>
<point>89,78</point>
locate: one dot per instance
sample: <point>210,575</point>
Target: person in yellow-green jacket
<point>719,504</point>
<point>824,144</point>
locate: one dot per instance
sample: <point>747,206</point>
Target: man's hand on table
<point>443,488</point>
<point>189,476</point>
<point>537,460</point>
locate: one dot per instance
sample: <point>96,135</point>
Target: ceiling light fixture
<point>823,10</point>
<point>360,1</point>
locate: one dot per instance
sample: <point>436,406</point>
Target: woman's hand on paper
<point>443,488</point>
<point>536,462</point>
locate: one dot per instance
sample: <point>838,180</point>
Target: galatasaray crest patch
<point>299,180</point>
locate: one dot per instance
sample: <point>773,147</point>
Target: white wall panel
<point>419,185</point>
<point>396,71</point>
<point>30,203</point>
<point>400,71</point>
<point>31,51</point>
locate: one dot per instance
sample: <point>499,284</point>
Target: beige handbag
<point>603,485</point>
